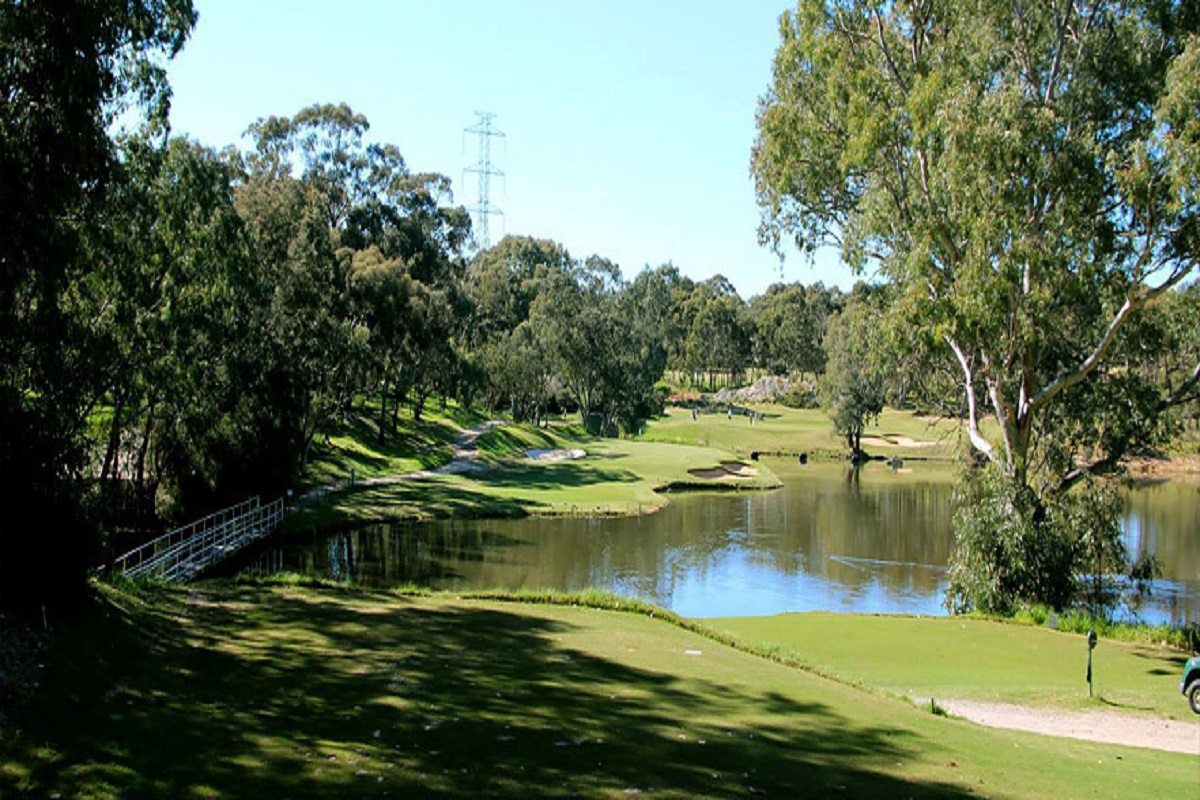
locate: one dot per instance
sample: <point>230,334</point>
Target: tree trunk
<point>383,412</point>
<point>111,454</point>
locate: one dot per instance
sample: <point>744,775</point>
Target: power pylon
<point>483,207</point>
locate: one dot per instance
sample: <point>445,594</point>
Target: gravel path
<point>1112,727</point>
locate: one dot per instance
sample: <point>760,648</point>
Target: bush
<point>1004,552</point>
<point>1013,548</point>
<point>801,394</point>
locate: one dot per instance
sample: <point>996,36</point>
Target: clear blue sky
<point>628,125</point>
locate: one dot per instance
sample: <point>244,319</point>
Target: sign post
<point>1091,640</point>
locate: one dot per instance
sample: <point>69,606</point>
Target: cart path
<point>464,458</point>
<point>1110,727</point>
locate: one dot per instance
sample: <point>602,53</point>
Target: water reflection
<point>872,541</point>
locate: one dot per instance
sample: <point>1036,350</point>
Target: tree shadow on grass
<point>254,693</point>
<point>425,498</point>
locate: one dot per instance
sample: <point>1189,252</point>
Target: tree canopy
<point>1026,173</point>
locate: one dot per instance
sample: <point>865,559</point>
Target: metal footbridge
<point>187,551</point>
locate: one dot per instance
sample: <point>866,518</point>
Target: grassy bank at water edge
<point>614,477</point>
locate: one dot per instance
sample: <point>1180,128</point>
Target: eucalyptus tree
<point>789,328</point>
<point>502,285</point>
<point>504,280</point>
<point>718,330</point>
<point>69,74</point>
<point>367,262</point>
<point>855,385</point>
<point>661,294</point>
<point>174,300</point>
<point>575,320</point>
<point>643,317</point>
<point>1026,173</point>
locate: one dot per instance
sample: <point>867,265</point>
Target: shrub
<point>1013,548</point>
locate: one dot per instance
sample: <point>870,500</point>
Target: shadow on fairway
<point>246,693</point>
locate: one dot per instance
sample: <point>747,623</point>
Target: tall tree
<point>170,302</point>
<point>855,385</point>
<point>68,71</point>
<point>718,330</point>
<point>789,328</point>
<point>1025,172</point>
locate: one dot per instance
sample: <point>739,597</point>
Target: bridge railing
<point>187,550</point>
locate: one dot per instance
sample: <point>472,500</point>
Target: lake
<point>871,540</point>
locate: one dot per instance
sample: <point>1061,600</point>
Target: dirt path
<point>463,459</point>
<point>1111,727</point>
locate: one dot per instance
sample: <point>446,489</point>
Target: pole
<point>1091,641</point>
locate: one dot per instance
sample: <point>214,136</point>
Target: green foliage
<point>789,328</point>
<point>801,394</point>
<point>854,387</point>
<point>70,73</point>
<point>1029,193</point>
<point>579,336</point>
<point>1024,176</point>
<point>1002,554</point>
<point>1081,621</point>
<point>1013,550</point>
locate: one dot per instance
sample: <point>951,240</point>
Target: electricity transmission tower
<point>483,207</point>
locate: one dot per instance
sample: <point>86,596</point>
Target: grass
<point>616,477</point>
<point>417,445</point>
<point>790,430</point>
<point>976,659</point>
<point>226,691</point>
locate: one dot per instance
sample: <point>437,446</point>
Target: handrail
<point>188,550</point>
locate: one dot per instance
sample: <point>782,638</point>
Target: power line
<point>483,208</point>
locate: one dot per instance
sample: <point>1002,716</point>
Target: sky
<point>627,124</point>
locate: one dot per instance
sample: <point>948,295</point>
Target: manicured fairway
<point>956,657</point>
<point>287,692</point>
<point>793,430</point>
<point>617,476</point>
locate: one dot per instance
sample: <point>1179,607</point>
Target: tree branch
<point>1132,303</point>
<point>887,54</point>
<point>1182,392</point>
<point>977,439</point>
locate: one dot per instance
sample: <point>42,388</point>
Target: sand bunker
<point>726,471</point>
<point>895,441</point>
<point>546,456</point>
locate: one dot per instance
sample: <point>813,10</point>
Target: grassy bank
<point>616,477</point>
<point>293,692</point>
<point>975,659</point>
<point>356,445</point>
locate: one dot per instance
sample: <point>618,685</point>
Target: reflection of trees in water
<point>814,530</point>
<point>1154,515</point>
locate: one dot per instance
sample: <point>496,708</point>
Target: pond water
<point>832,539</point>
